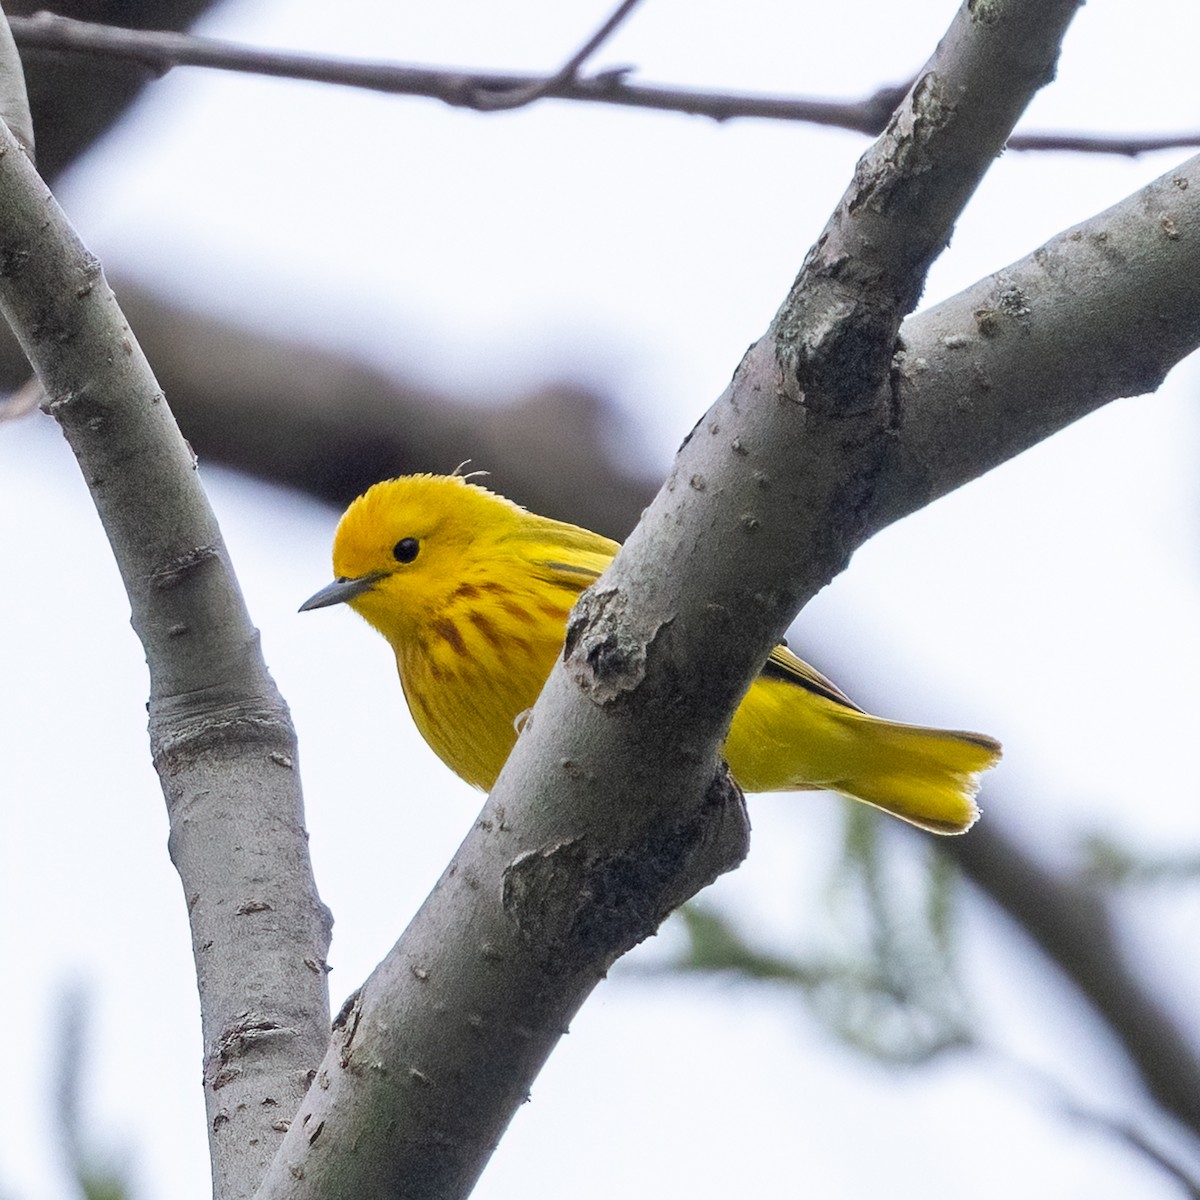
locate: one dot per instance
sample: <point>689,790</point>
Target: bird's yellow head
<point>406,545</point>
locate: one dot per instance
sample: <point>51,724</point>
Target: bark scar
<point>604,654</point>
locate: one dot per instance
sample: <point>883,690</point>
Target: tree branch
<point>160,52</point>
<point>1130,145</point>
<point>221,736</point>
<point>1101,311</point>
<point>71,106</point>
<point>608,811</point>
<point>1072,924</point>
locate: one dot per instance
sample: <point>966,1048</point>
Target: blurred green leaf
<point>97,1175</point>
<point>888,983</point>
<point>1113,864</point>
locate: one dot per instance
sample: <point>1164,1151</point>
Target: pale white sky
<point>1047,603</point>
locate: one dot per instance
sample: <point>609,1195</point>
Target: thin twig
<point>1085,143</point>
<point>160,52</point>
<point>1073,924</point>
<point>1121,1129</point>
<point>567,74</point>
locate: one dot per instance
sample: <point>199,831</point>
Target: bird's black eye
<point>405,550</point>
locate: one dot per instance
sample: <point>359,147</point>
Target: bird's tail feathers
<point>928,777</point>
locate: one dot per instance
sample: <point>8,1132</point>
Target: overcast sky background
<point>1051,603</point>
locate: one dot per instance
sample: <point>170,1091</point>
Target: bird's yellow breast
<point>475,667</point>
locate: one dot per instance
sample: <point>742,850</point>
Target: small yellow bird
<point>473,591</point>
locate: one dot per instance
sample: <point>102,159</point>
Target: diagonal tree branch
<point>1071,922</point>
<point>221,736</point>
<point>1103,310</point>
<point>608,810</point>
<point>159,52</point>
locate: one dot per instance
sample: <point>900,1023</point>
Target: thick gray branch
<point>608,811</point>
<point>221,735</point>
<point>1101,311</point>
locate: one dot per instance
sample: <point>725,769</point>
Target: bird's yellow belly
<point>783,737</point>
<point>780,737</point>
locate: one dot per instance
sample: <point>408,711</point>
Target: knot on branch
<point>241,1037</point>
<point>835,362</point>
<point>175,571</point>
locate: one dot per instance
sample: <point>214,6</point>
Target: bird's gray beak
<point>341,590</point>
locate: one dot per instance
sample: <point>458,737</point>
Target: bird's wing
<point>565,555</point>
<point>783,664</point>
<point>574,576</point>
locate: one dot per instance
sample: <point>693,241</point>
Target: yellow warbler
<point>472,591</point>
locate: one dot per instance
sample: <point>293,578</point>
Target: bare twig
<point>1084,143</point>
<point>567,74</point>
<point>1123,1131</point>
<point>160,52</point>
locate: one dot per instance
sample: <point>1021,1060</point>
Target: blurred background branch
<point>1070,920</point>
<point>74,102</point>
